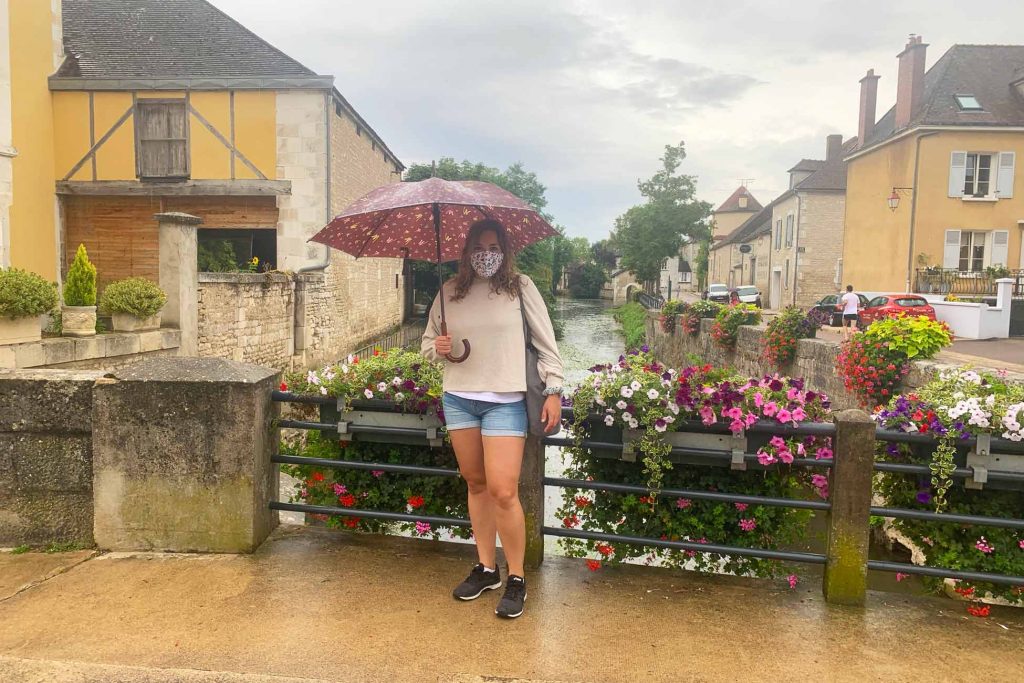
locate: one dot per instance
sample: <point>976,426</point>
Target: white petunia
<point>626,392</point>
<point>621,405</point>
<point>634,424</point>
<point>368,393</point>
<point>635,385</point>
<point>399,396</point>
<point>312,377</point>
<point>323,391</point>
<point>382,387</point>
<point>609,420</point>
<point>652,394</point>
<point>396,381</point>
<point>674,408</point>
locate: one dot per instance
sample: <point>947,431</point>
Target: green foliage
<point>701,266</point>
<point>586,282</point>
<point>632,317</point>
<point>728,321</point>
<point>783,332</point>
<point>20,549</point>
<point>80,285</point>
<point>648,233</point>
<point>24,294</point>
<point>705,308</point>
<point>217,256</point>
<point>603,254</point>
<point>670,313</point>
<point>135,295</point>
<point>673,307</point>
<point>916,337</point>
<point>63,547</point>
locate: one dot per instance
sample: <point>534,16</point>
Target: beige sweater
<point>494,327</point>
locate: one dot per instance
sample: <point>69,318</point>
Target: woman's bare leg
<point>469,451</point>
<point>503,460</point>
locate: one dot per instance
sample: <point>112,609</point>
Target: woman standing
<point>484,398</point>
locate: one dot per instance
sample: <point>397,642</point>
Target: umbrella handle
<point>464,356</point>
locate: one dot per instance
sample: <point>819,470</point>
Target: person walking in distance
<point>484,398</point>
<point>850,304</point>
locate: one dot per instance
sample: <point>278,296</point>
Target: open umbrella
<point>428,220</point>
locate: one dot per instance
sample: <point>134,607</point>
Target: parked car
<point>892,305</point>
<point>717,293</point>
<point>747,294</point>
<point>826,310</point>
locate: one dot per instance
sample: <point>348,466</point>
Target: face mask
<point>486,263</point>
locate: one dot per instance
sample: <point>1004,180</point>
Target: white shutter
<point>1004,179</point>
<point>957,169</point>
<point>951,250</point>
<point>1000,247</point>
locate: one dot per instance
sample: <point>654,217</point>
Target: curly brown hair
<point>507,277</point>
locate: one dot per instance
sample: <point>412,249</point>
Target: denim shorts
<point>492,419</point>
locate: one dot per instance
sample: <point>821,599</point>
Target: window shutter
<point>1000,247</point>
<point>1004,179</point>
<point>951,250</point>
<point>162,131</point>
<point>957,169</point>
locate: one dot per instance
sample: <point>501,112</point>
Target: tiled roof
<point>807,165</point>
<point>751,227</point>
<point>733,202</point>
<point>160,39</point>
<point>832,174</point>
<point>985,71</point>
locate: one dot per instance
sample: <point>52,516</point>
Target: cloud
<point>586,93</point>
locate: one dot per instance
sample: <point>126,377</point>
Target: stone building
<point>733,212</point>
<point>165,106</point>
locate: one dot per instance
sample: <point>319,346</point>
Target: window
<point>972,251</point>
<point>786,281</point>
<point>977,175</point>
<point>789,230</point>
<point>664,264</point>
<point>778,234</point>
<point>229,250</point>
<point>878,301</point>
<point>910,301</point>
<point>967,103</point>
<point>685,278</point>
<point>161,133</point>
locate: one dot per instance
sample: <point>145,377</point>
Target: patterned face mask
<point>486,263</point>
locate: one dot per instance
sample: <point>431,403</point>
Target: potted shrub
<point>78,314</point>
<point>24,296</point>
<point>134,304</point>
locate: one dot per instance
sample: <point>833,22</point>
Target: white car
<point>748,294</point>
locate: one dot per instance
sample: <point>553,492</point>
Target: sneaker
<point>476,583</point>
<point>511,604</point>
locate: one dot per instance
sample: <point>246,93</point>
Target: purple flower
<point>645,348</point>
<point>408,385</point>
<point>924,497</point>
<point>775,385</point>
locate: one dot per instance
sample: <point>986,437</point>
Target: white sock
<point>489,571</point>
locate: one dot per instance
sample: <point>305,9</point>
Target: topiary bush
<point>80,285</point>
<point>24,294</point>
<point>135,296</point>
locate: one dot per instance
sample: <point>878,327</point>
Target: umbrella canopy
<point>397,220</point>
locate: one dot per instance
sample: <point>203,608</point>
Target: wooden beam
<point>240,188</point>
<point>99,143</point>
<point>224,141</point>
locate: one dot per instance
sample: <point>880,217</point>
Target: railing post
<point>531,495</point>
<point>846,572</point>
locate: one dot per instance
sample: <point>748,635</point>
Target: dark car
<point>826,310</point>
<point>717,293</point>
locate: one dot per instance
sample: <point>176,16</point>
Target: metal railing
<point>650,301</point>
<point>955,281</point>
<point>408,335</point>
<point>848,509</point>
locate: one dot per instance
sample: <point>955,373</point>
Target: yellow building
<point>932,195</point>
<point>30,51</point>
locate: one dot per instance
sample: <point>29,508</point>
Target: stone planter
<point>126,322</point>
<point>20,330</point>
<point>78,321</point>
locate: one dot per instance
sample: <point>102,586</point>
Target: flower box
<point>377,414</point>
<point>126,322</point>
<point>20,330</point>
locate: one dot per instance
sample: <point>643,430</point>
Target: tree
<point>586,281</point>
<point>603,254</point>
<point>648,233</point>
<point>701,266</point>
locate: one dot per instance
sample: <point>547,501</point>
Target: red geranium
<point>415,501</point>
<point>979,610</point>
<point>347,500</point>
<point>350,522</point>
<point>593,565</point>
<point>605,549</point>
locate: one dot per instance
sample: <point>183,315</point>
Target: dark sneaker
<point>511,604</point>
<point>476,583</point>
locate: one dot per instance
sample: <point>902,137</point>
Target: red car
<point>893,305</point>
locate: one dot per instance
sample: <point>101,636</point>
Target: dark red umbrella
<point>428,220</point>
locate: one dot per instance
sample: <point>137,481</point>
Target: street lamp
<point>894,199</point>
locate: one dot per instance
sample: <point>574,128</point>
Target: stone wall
<point>101,352</point>
<point>46,456</point>
<point>248,317</point>
<point>301,159</point>
<point>814,361</point>
<point>821,239</point>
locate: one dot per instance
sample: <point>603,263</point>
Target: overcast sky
<point>586,94</point>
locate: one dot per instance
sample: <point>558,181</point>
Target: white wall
<point>978,321</point>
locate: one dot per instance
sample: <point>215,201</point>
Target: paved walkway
<point>316,605</point>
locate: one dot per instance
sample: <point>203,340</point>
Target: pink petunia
<point>748,524</point>
<point>778,442</point>
<point>422,528</point>
<point>741,506</point>
<point>766,458</point>
<point>784,416</point>
<point>785,456</point>
<point>770,409</point>
<point>707,415</point>
<point>683,503</point>
<point>758,399</point>
<point>799,415</point>
<point>340,490</point>
<point>792,579</point>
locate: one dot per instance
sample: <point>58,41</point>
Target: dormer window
<point>967,103</point>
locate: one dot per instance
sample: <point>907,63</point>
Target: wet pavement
<point>315,604</point>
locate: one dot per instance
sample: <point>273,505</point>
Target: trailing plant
<point>80,284</point>
<point>670,314</point>
<point>135,296</point>
<point>728,320</point>
<point>916,337</point>
<point>957,404</point>
<point>783,332</point>
<point>870,369</point>
<point>689,320</point>
<point>633,318</point>
<point>24,294</point>
<point>705,309</point>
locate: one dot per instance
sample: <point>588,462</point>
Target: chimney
<point>833,147</point>
<point>868,99</point>
<point>910,80</point>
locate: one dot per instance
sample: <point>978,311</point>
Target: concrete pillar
<point>179,276</point>
<point>846,568</point>
<point>531,495</point>
<point>181,456</point>
<point>1004,302</point>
